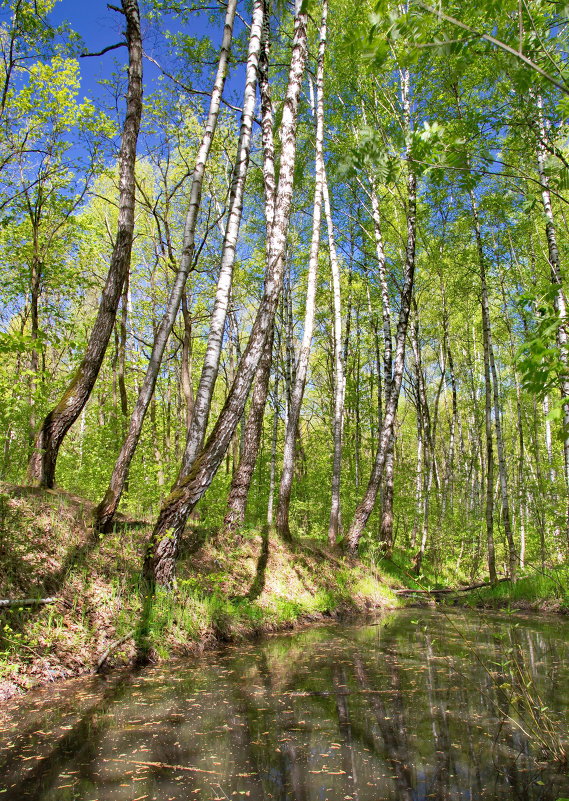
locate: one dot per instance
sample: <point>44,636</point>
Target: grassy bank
<point>538,589</point>
<point>541,591</point>
<point>226,590</point>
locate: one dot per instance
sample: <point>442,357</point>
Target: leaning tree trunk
<point>562,335</point>
<point>204,393</point>
<point>160,559</point>
<point>108,506</point>
<point>60,419</point>
<point>241,482</point>
<point>274,442</point>
<point>365,506</point>
<point>297,394</point>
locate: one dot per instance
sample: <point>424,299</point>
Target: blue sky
<point>100,27</point>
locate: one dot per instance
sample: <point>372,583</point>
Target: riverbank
<point>226,591</point>
<point>545,590</point>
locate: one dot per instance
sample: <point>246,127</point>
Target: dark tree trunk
<point>60,419</point>
<point>241,482</point>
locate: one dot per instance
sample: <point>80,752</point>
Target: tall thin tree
<point>57,423</point>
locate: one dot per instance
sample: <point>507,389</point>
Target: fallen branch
<point>27,602</point>
<point>111,648</point>
<point>449,590</point>
<point>166,766</point>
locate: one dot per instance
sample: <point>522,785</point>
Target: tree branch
<point>104,50</point>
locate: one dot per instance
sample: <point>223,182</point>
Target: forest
<point>294,271</point>
<point>284,400</point>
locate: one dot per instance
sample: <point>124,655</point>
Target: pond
<point>421,704</point>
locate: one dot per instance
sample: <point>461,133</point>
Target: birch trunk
<point>273,466</point>
<point>285,489</point>
<point>108,506</point>
<point>562,335</point>
<point>159,564</point>
<point>335,523</point>
<point>386,525</point>
<point>186,363</point>
<point>210,367</point>
<point>57,423</point>
<point>241,482</point>
<point>365,507</point>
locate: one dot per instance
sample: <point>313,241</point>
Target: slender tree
<point>60,419</point>
<point>365,506</point>
<point>106,509</point>
<point>297,394</point>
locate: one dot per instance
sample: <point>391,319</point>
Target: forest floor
<point>225,591</point>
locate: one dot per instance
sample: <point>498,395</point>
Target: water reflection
<point>416,707</point>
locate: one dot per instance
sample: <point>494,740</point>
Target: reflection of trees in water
<point>345,725</point>
<point>401,713</point>
<point>79,746</point>
<point>391,723</point>
<point>277,758</point>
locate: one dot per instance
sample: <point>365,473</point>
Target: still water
<point>409,707</point>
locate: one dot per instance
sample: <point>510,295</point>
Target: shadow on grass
<point>258,584</point>
<point>27,580</point>
<point>141,634</point>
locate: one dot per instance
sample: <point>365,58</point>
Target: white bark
<point>562,336</point>
<point>210,367</point>
<point>297,394</point>
<point>159,566</point>
<point>335,523</point>
<point>109,504</point>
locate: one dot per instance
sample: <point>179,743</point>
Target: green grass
<point>225,590</point>
<point>547,589</point>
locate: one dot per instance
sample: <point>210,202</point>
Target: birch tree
<point>108,506</point>
<point>285,489</point>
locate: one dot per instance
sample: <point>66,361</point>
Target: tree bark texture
<point>335,522</point>
<point>204,394</point>
<point>293,418</point>
<point>562,335</point>
<point>241,482</point>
